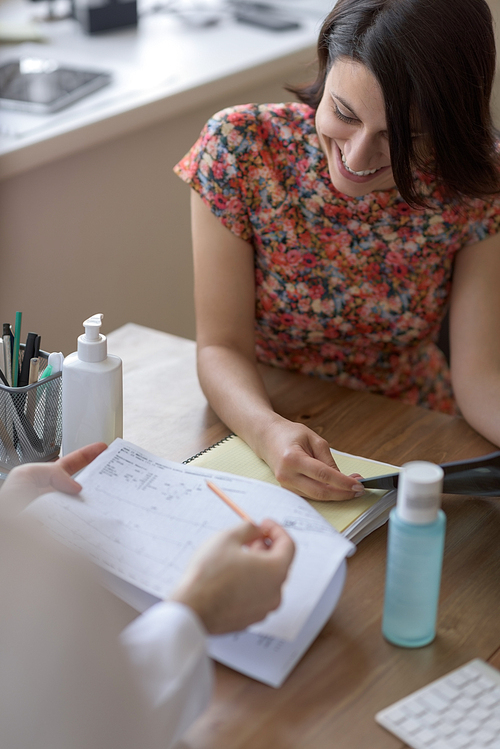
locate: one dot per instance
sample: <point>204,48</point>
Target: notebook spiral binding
<point>207,449</point>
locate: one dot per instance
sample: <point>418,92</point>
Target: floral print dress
<point>349,289</point>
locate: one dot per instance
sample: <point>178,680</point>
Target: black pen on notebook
<point>243,515</point>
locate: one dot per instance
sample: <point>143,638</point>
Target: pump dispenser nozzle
<point>92,345</point>
<point>93,327</point>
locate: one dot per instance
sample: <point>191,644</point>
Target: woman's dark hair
<point>434,61</point>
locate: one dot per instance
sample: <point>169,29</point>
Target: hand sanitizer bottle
<point>92,391</point>
<point>414,557</point>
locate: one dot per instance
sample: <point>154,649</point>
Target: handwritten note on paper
<point>141,518</point>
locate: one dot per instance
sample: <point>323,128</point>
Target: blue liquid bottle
<point>414,557</point>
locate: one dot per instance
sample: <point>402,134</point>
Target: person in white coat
<point>68,676</point>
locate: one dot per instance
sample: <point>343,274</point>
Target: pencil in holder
<point>31,419</point>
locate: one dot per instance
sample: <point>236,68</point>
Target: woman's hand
<point>29,481</point>
<point>302,462</point>
<point>235,579</point>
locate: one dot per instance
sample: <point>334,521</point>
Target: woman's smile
<point>361,177</point>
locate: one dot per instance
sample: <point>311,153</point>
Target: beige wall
<point>107,230</point>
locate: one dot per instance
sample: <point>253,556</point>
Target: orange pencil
<point>230,503</point>
<point>243,515</point>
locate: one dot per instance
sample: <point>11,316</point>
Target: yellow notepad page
<point>235,456</point>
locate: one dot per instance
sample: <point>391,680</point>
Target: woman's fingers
<point>322,492</point>
<point>315,479</point>
<point>320,449</point>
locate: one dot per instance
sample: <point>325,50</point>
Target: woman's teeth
<point>358,174</point>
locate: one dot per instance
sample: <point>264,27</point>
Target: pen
<point>34,367</point>
<point>7,351</point>
<point>29,354</point>
<point>46,372</point>
<point>31,401</point>
<point>15,351</point>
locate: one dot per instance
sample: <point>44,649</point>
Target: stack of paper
<point>140,518</point>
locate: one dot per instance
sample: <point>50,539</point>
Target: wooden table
<point>350,672</point>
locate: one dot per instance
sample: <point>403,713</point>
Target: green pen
<point>15,350</point>
<point>46,373</point>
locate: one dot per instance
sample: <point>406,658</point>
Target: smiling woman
<point>326,232</point>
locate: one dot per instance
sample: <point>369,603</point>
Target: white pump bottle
<point>92,391</point>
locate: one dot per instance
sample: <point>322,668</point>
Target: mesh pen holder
<point>31,419</point>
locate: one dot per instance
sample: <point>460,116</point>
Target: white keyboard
<point>459,711</point>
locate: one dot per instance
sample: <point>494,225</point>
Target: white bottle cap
<point>419,492</point>
<point>92,345</point>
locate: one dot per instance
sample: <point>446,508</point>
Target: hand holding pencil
<point>236,578</point>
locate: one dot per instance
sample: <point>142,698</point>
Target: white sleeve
<point>167,648</point>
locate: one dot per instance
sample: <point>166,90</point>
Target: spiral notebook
<point>354,518</point>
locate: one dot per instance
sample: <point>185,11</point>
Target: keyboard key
<point>431,719</point>
<point>473,689</point>
<point>471,673</point>
<point>427,736</point>
<point>484,736</point>
<point>446,729</point>
<point>459,742</point>
<point>454,715</point>
<point>486,684</point>
<point>490,699</point>
<point>397,715</point>
<point>480,713</point>
<point>411,725</point>
<point>449,691</point>
<point>458,678</point>
<point>434,702</point>
<point>470,724</point>
<point>416,709</point>
<point>464,703</point>
<point>494,723</point>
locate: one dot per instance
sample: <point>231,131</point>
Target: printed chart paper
<point>141,518</point>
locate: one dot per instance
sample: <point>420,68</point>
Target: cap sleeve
<point>218,164</point>
<point>483,220</point>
